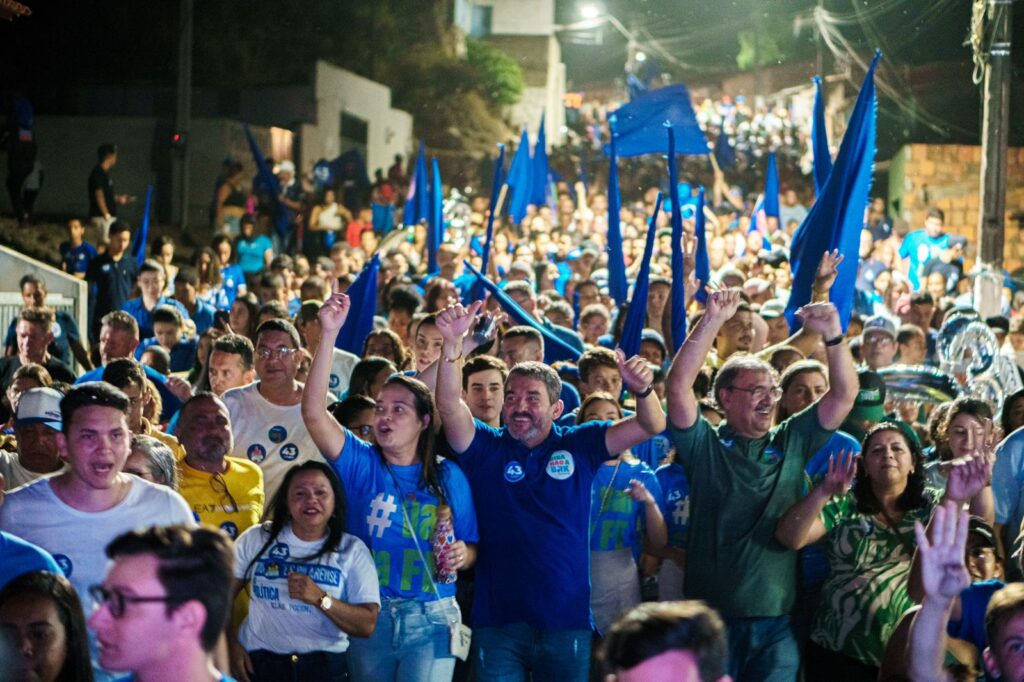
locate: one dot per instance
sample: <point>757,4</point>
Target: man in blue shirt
<point>532,482</point>
<point>112,276</point>
<point>186,285</point>
<point>76,253</point>
<point>152,281</point>
<point>922,246</point>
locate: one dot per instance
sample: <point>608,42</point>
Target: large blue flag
<point>140,243</point>
<point>417,202</point>
<point>270,184</point>
<point>618,287</point>
<point>435,219</point>
<point>836,219</point>
<point>476,292</point>
<point>819,140</point>
<point>771,188</point>
<point>725,155</point>
<point>554,348</point>
<point>636,316</point>
<point>541,192</point>
<point>520,179</point>
<point>702,266</point>
<point>678,276</point>
<point>639,125</point>
<point>359,323</point>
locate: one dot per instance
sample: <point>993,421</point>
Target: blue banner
<point>359,324</point>
<point>819,140</point>
<point>636,316</point>
<point>639,125</point>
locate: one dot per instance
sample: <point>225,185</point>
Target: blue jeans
<point>412,642</point>
<point>762,650</point>
<point>510,652</point>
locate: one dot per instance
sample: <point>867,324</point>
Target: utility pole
<point>995,136</point>
<point>181,149</point>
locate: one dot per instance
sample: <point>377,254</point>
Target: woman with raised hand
<point>394,490</point>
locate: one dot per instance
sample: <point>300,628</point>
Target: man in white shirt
<point>342,362</point>
<point>266,416</point>
<point>74,514</point>
<point>36,425</point>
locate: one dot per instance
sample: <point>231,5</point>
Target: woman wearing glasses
<point>394,490</point>
<point>312,586</point>
<point>869,538</point>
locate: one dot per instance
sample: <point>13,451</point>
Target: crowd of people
<point>203,484</point>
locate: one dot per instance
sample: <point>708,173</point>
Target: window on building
<point>354,133</point>
<point>480,23</point>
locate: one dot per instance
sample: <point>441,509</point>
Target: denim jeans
<point>511,652</point>
<point>412,642</point>
<point>762,650</point>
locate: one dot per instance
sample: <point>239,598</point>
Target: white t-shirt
<point>16,475</point>
<point>278,623</point>
<point>273,436</point>
<point>77,539</point>
<point>342,363</point>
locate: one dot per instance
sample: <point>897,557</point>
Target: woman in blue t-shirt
<point>625,499</point>
<point>394,490</point>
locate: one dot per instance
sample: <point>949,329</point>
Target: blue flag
<point>541,192</point>
<point>554,348</point>
<point>435,220</point>
<point>142,236</point>
<point>520,179</point>
<point>618,287</point>
<point>702,268</point>
<point>725,155</point>
<point>266,178</point>
<point>836,219</point>
<point>359,323</point>
<point>417,202</point>
<point>639,125</point>
<point>771,188</point>
<point>819,140</point>
<point>678,275</point>
<point>636,316</point>
<point>476,292</point>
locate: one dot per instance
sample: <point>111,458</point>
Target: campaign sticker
<point>334,381</point>
<point>279,551</point>
<point>561,465</point>
<point>514,472</point>
<point>277,434</point>
<point>230,528</point>
<point>65,564</point>
<point>290,452</point>
<point>256,453</point>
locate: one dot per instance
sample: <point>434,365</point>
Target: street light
<point>640,56</point>
<point>590,11</point>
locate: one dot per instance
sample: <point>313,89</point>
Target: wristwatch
<point>326,602</point>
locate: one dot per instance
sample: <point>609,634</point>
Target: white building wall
<point>521,17</point>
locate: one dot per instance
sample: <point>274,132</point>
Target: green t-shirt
<point>865,594</point>
<point>739,489</point>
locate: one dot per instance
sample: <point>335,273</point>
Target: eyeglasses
<point>759,392</point>
<point>116,601</point>
<point>220,486</point>
<point>279,353</point>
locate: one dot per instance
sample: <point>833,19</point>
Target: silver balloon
<point>971,351</point>
<point>951,329</point>
<point>919,383</point>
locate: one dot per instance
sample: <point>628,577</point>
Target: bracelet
<point>646,392</point>
<point>836,341</point>
<point>452,360</point>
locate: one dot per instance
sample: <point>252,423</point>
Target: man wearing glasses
<point>266,416</point>
<point>73,514</point>
<point>164,603</point>
<point>224,492</point>
<point>743,475</point>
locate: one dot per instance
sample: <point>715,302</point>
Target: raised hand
<point>455,321</point>
<point>828,270</point>
<point>968,477</point>
<point>841,471</point>
<point>943,571</point>
<point>334,311</point>
<point>639,492</point>
<point>821,318</point>
<point>722,304</point>
<point>636,374</point>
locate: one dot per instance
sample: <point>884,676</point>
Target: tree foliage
<point>501,78</point>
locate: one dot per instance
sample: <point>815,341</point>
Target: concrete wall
<point>948,176</point>
<point>336,90</point>
<point>521,17</point>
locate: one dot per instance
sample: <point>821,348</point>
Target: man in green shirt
<point>743,476</point>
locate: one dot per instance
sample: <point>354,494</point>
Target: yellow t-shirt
<point>167,439</point>
<point>232,501</point>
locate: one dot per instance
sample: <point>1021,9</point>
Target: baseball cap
<point>879,323</point>
<point>654,337</point>
<point>870,402</point>
<point>772,309</point>
<point>980,529</point>
<point>39,406</point>
<point>286,167</point>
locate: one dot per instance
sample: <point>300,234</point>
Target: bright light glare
<point>590,11</point>
<point>640,57</point>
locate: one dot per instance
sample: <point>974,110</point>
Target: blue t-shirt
<point>570,398</point>
<point>616,519</point>
<point>675,502</point>
<point>920,248</point>
<point>183,355</point>
<point>18,557</point>
<point>533,508</point>
<point>203,316</point>
<point>76,259</point>
<point>654,450</point>
<point>232,279</point>
<point>250,253</point>
<point>375,517</point>
<point>137,309</point>
<point>974,601</point>
<point>170,401</point>
<point>813,560</point>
